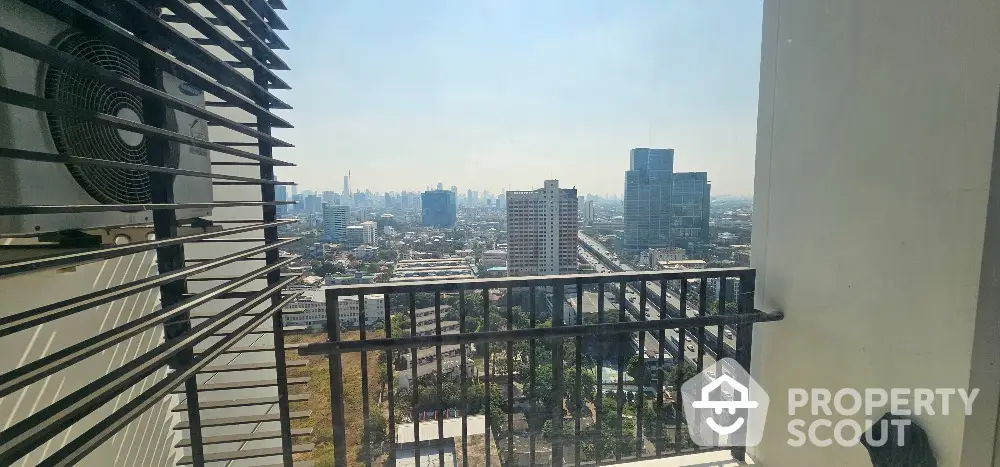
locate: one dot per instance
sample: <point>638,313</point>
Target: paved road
<point>653,293</point>
<point>652,345</point>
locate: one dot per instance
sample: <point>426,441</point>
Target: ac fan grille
<point>82,138</point>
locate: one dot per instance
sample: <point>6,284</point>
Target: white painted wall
<point>875,157</point>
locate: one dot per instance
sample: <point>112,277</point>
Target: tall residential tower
<point>542,228</point>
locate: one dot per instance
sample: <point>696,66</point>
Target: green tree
<point>634,368</point>
<point>681,373</point>
<point>588,386</point>
<point>400,324</point>
<point>374,436</point>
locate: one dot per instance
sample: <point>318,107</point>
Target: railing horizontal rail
<point>325,348</point>
<point>450,285</point>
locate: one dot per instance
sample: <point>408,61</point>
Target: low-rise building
<point>431,269</point>
<point>310,310</point>
<point>683,264</point>
<point>657,255</point>
<point>494,258</point>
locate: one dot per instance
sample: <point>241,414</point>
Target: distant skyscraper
<point>312,204</point>
<point>438,209</point>
<point>440,186</point>
<point>588,212</point>
<point>347,186</point>
<point>330,197</point>
<point>691,198</point>
<point>281,194</point>
<point>334,223</point>
<point>542,228</point>
<point>648,187</point>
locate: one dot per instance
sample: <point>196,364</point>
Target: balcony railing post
<point>389,385</point>
<point>558,390</point>
<point>533,409</point>
<point>465,380</point>
<point>336,381</point>
<point>365,406</point>
<point>744,338</point>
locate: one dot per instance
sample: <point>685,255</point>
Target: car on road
<point>690,346</point>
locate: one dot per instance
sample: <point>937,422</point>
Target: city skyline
<point>494,97</point>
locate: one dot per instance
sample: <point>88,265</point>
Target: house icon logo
<point>724,406</point>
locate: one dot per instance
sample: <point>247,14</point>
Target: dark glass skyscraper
<point>438,208</point>
<point>648,189</point>
<point>690,198</point>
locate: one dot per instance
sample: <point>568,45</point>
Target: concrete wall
<point>875,219</point>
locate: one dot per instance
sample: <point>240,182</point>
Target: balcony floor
<point>702,459</point>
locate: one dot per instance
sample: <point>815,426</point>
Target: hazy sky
<point>498,94</point>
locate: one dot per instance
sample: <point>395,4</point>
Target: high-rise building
<point>454,191</point>
<point>355,236</point>
<point>690,201</point>
<point>440,186</point>
<point>347,186</point>
<point>312,204</point>
<point>438,209</point>
<point>334,223</point>
<point>370,232</point>
<point>588,212</point>
<point>648,187</point>
<point>542,228</point>
<point>330,197</point>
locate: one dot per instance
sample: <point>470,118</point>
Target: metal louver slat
<point>231,299</point>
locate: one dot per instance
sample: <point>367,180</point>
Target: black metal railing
<point>228,53</point>
<point>535,380</point>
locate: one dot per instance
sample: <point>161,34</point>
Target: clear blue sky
<point>498,94</point>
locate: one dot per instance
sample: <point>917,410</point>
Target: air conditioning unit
<point>24,182</point>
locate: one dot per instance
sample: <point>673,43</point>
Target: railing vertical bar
<point>465,380</point>
<point>487,376</point>
<point>510,379</point>
<point>531,380</point>
<point>702,311</point>
<point>336,383</point>
<point>413,378</point>
<point>682,335</point>
<point>440,369</point>
<point>720,333</point>
<point>389,370</point>
<point>578,402</point>
<point>599,400</point>
<point>365,407</point>
<point>744,340</point>
<point>640,379</point>
<point>659,365</point>
<point>624,342</point>
<point>558,389</point>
